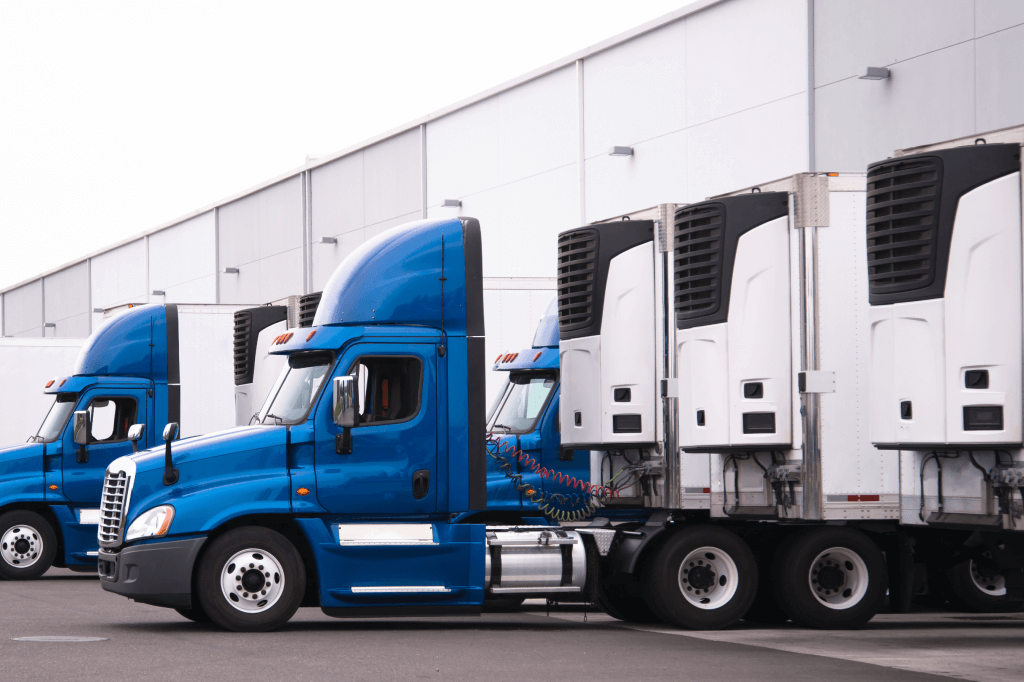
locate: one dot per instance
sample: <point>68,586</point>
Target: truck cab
<point>523,424</point>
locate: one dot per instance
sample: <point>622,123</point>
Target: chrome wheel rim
<point>21,546</point>
<point>838,578</point>
<point>708,578</point>
<point>987,580</point>
<point>252,581</point>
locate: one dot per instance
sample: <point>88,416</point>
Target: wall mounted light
<point>97,310</point>
<point>452,203</point>
<point>620,151</point>
<point>50,324</point>
<point>875,73</point>
<point>230,271</point>
<point>328,240</point>
<point>159,292</point>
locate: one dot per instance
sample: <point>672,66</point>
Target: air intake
<point>577,270</point>
<point>248,325</point>
<point>307,308</point>
<point>902,224</point>
<point>698,241</point>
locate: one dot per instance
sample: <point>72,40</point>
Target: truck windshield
<point>56,418</point>
<point>296,389</point>
<point>522,403</point>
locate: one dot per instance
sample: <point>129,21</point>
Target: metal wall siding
<point>1000,79</point>
<point>744,54</point>
<point>391,177</point>
<point>239,232</point>
<point>860,121</point>
<point>280,218</point>
<point>850,36</point>
<point>23,310</point>
<point>995,15</point>
<point>119,276</point>
<point>327,257</point>
<point>463,153</point>
<point>183,254</point>
<point>67,296</point>
<point>337,197</point>
<point>202,290</point>
<point>537,126</point>
<point>636,91</point>
<point>280,275</point>
<point>243,286</point>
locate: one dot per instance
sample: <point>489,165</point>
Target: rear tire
<point>28,545</point>
<point>977,588</point>
<point>622,598</point>
<point>702,578</point>
<point>766,609</point>
<point>830,578</point>
<point>250,580</point>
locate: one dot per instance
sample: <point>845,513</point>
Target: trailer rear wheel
<point>28,545</point>
<point>974,586</point>
<point>702,578</point>
<point>831,578</point>
<point>251,580</point>
<point>766,609</point>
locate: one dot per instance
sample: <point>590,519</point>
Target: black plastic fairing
<point>477,368</point>
<point>705,237</point>
<point>248,325</point>
<point>584,256</point>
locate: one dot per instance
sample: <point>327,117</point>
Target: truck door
<point>112,412</point>
<point>392,468</point>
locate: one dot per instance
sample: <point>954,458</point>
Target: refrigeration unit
<point>944,280</point>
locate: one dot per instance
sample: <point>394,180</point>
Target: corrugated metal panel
<point>860,121</point>
<point>23,310</point>
<point>67,302</point>
<point>183,254</point>
<point>392,177</point>
<point>119,276</point>
<point>744,54</point>
<point>636,91</point>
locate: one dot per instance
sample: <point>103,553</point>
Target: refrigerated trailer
<point>25,365</point>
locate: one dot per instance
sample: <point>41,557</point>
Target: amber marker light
<point>53,487</point>
<point>310,335</point>
<point>303,491</point>
<point>62,382</point>
<point>537,356</point>
<point>49,383</point>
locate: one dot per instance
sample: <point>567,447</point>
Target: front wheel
<point>28,545</point>
<point>251,580</point>
<point>702,578</point>
<point>830,578</point>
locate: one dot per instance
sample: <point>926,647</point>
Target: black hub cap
<point>253,581</point>
<point>21,546</point>
<point>701,577</point>
<point>831,577</point>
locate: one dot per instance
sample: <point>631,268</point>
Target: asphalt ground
<point>144,643</point>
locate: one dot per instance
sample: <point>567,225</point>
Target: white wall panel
<point>635,91</point>
<point>327,257</point>
<point>510,321</point>
<point>995,15</point>
<point>743,54</point>
<point>392,180</point>
<point>239,232</point>
<point>280,275</point>
<point>655,174</point>
<point>1000,74</point>
<point>280,217</point>
<point>337,197</point>
<point>201,290</point>
<point>850,35</point>
<point>371,231</point>
<point>119,276</point>
<point>754,146</point>
<point>538,124</point>
<point>928,99</point>
<point>183,253</point>
<point>242,286</point>
<point>67,301</point>
<point>462,152</point>
<point>23,310</point>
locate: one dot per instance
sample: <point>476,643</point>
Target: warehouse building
<point>716,96</point>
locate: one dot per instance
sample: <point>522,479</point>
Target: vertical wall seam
<point>581,156</point>
<point>42,305</point>
<point>149,284</point>
<point>423,171</point>
<point>307,251</point>
<point>811,151</point>
<point>3,315</point>
<point>216,254</point>
<point>88,271</point>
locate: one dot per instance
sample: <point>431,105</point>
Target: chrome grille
<point>116,495</point>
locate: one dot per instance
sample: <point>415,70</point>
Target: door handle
<point>420,483</point>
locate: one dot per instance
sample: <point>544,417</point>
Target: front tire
<point>830,578</point>
<point>975,587</point>
<point>28,545</point>
<point>702,578</point>
<point>251,580</point>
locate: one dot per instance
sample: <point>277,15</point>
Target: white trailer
<point>26,364</point>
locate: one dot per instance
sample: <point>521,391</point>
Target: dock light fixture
<point>620,151</point>
<point>159,292</point>
<point>230,271</point>
<point>875,73</point>
<point>452,203</point>
<point>97,310</point>
<point>328,240</point>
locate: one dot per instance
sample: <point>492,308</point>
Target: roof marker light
<point>49,383</point>
<point>310,335</point>
<point>515,355</point>
<point>535,357</point>
<point>62,382</point>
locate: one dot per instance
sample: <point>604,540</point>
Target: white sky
<point>118,116</point>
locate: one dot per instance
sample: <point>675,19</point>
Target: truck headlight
<point>153,523</point>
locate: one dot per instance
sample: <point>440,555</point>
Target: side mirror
<point>343,411</point>
<point>170,473</point>
<point>135,435</point>
<point>81,427</point>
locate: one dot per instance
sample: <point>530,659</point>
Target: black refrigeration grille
<point>242,339</point>
<point>307,308</point>
<point>697,260</point>
<point>577,270</point>
<point>903,224</point>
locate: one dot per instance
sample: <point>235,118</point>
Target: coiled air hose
<point>580,505</point>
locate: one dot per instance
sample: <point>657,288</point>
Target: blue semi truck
<point>148,365</point>
<point>362,487</point>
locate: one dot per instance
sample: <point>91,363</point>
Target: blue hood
<point>16,452</point>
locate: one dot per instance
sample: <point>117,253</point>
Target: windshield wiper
<point>502,426</point>
<point>280,420</point>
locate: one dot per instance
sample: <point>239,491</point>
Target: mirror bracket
<point>343,442</point>
<point>170,473</point>
<point>82,455</point>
